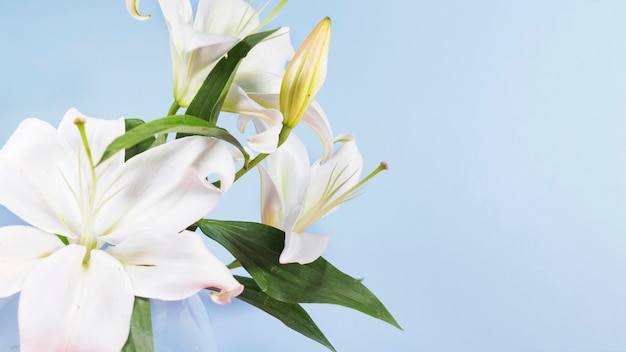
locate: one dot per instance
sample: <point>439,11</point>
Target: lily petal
<point>22,248</point>
<point>176,193</point>
<point>36,149</point>
<point>301,248</point>
<point>316,119</point>
<point>172,266</point>
<point>289,169</point>
<point>68,306</point>
<point>340,173</point>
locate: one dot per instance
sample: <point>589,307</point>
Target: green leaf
<point>178,123</point>
<point>207,103</point>
<point>140,336</point>
<point>291,314</point>
<point>258,246</point>
<point>141,146</point>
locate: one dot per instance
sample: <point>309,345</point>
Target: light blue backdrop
<point>500,224</point>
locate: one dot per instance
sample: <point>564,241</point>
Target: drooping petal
<point>22,248</point>
<point>172,266</point>
<point>166,187</point>
<point>316,119</point>
<point>68,306</point>
<point>301,248</point>
<point>40,178</point>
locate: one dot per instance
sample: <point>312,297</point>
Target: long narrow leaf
<point>180,123</point>
<point>291,314</point>
<point>208,101</point>
<point>258,246</point>
<point>140,336</point>
<point>141,146</point>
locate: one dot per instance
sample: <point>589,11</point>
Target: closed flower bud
<point>305,74</point>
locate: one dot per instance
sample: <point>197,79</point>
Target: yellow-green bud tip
<point>305,74</point>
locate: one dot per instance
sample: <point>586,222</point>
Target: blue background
<point>500,224</point>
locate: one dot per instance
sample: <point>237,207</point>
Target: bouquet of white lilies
<point>117,208</point>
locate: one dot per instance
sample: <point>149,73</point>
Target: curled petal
<point>22,248</point>
<point>172,266</point>
<point>316,119</point>
<point>66,305</point>
<point>173,196</point>
<point>132,7</point>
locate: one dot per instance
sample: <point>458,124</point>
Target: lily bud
<point>305,74</point>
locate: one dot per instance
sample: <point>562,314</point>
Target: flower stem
<point>282,137</point>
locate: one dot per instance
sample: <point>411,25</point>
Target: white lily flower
<point>103,234</point>
<point>295,194</point>
<point>197,44</point>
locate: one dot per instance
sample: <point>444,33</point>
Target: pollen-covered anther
<point>384,165</point>
<point>79,121</point>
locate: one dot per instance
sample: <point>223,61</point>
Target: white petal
<point>304,248</point>
<point>239,102</point>
<point>301,248</point>
<point>172,266</point>
<point>289,168</point>
<point>100,133</point>
<point>22,248</point>
<point>271,201</point>
<point>270,57</point>
<point>316,119</point>
<point>234,17</point>
<point>165,188</point>
<point>68,306</point>
<point>340,173</point>
<point>39,178</point>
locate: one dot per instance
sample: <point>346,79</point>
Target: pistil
<point>87,236</point>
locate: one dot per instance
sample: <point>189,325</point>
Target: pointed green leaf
<point>180,123</point>
<point>207,103</point>
<point>141,146</point>
<point>140,335</point>
<point>291,314</point>
<point>257,247</point>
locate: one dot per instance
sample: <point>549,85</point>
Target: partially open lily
<point>103,234</point>
<point>198,43</point>
<point>295,194</point>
